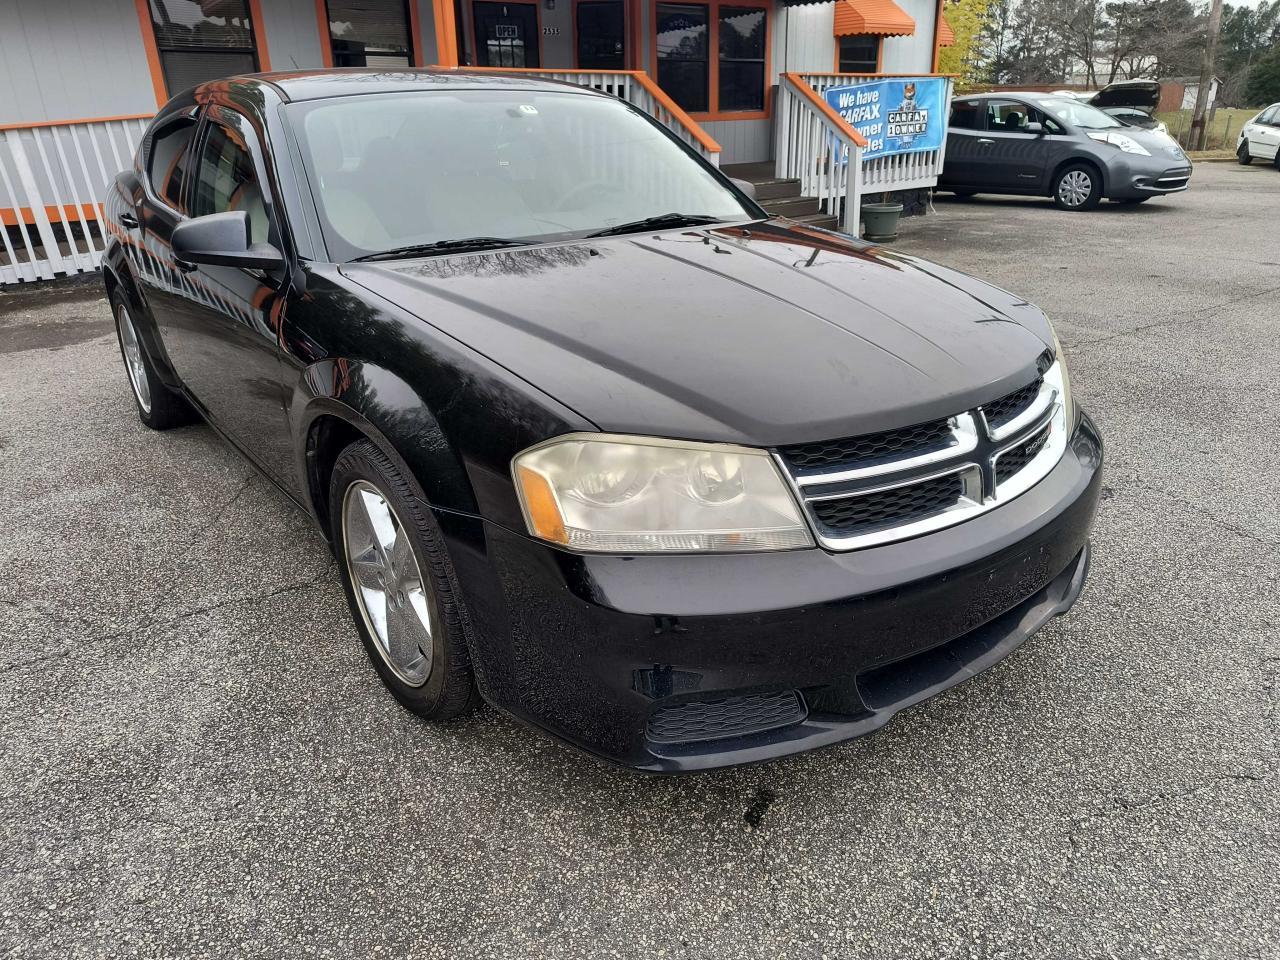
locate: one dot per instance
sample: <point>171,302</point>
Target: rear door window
<point>167,165</point>
<point>966,115</point>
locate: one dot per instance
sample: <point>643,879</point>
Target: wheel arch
<point>1080,160</point>
<point>361,401</point>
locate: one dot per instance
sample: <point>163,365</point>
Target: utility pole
<point>1206,76</point>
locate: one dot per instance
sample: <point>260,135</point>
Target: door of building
<point>601,29</point>
<point>506,34</point>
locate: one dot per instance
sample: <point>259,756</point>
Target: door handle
<point>129,220</point>
<point>985,140</point>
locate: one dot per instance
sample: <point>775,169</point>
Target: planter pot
<point>881,221</point>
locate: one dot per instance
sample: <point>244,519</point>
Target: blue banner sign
<point>902,115</point>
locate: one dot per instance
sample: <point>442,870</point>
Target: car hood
<point>772,334</point>
<point>1139,94</point>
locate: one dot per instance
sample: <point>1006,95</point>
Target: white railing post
<point>853,199</point>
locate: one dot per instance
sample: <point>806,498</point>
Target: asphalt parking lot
<point>196,759</point>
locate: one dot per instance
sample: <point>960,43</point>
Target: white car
<point>1260,137</point>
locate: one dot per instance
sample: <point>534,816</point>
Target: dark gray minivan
<point>1051,145</point>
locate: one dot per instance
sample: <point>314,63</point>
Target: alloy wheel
<point>133,362</point>
<point>1075,187</point>
<point>394,598</point>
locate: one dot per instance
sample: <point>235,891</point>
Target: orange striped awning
<point>946,36</point>
<point>883,18</point>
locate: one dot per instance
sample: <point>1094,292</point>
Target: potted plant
<point>880,220</point>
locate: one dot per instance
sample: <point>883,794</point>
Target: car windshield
<point>1079,115</point>
<point>412,169</point>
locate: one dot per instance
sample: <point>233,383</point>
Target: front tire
<point>400,583</point>
<point>1242,153</point>
<point>159,407</point>
<point>1077,188</point>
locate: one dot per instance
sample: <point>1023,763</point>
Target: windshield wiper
<point>658,222</point>
<point>443,246</point>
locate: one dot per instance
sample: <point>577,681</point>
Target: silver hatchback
<point>1050,145</point>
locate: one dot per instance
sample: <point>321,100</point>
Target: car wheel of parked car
<point>158,407</point>
<point>1078,187</point>
<point>400,583</point>
<point>1242,153</point>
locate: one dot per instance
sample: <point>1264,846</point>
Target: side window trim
<point>193,113</point>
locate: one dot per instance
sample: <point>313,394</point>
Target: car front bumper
<point>1149,177</point>
<point>638,659</point>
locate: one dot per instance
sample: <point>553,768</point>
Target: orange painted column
<point>446,32</point>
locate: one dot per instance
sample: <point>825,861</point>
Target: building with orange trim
<point>718,59</point>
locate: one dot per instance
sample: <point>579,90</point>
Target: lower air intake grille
<point>729,717</point>
<point>909,441</point>
<point>1013,461</point>
<point>898,506</point>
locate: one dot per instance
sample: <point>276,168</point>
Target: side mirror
<point>746,186</point>
<point>1035,127</point>
<point>222,239</point>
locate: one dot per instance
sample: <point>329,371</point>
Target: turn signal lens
<point>618,494</point>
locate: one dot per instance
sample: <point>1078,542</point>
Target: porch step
<point>780,197</point>
<point>775,189</point>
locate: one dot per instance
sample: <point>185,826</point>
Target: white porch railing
<point>799,157</point>
<point>638,89</point>
<point>816,146</point>
<point>53,178</point>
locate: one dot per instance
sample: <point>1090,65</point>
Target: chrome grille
<point>1015,459</point>
<point>876,489</point>
<point>892,506</point>
<point>1000,412</point>
<point>935,435</point>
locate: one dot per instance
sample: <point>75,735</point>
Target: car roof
<point>352,81</point>
<point>1016,94</point>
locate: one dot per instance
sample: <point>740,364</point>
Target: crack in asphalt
<point>1176,320</point>
<point>1201,512</point>
<point>217,515</point>
<point>1120,805</point>
<point>326,577</point>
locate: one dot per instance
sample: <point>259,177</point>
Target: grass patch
<point>1224,126</point>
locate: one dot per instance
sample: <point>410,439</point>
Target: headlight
<point>617,494</point>
<point>1058,378</point>
<point>1125,143</point>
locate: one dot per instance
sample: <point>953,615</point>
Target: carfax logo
<point>909,120</point>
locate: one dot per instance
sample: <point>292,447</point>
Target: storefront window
<point>736,80</point>
<point>369,33</point>
<point>742,58</point>
<point>682,54</point>
<point>195,47</point>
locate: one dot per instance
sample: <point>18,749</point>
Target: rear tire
<point>1242,153</point>
<point>159,407</point>
<point>1078,187</point>
<point>400,583</point>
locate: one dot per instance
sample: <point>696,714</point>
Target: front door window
<point>506,34</point>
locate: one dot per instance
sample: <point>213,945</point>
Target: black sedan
<point>1052,145</point>
<point>590,435</point>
